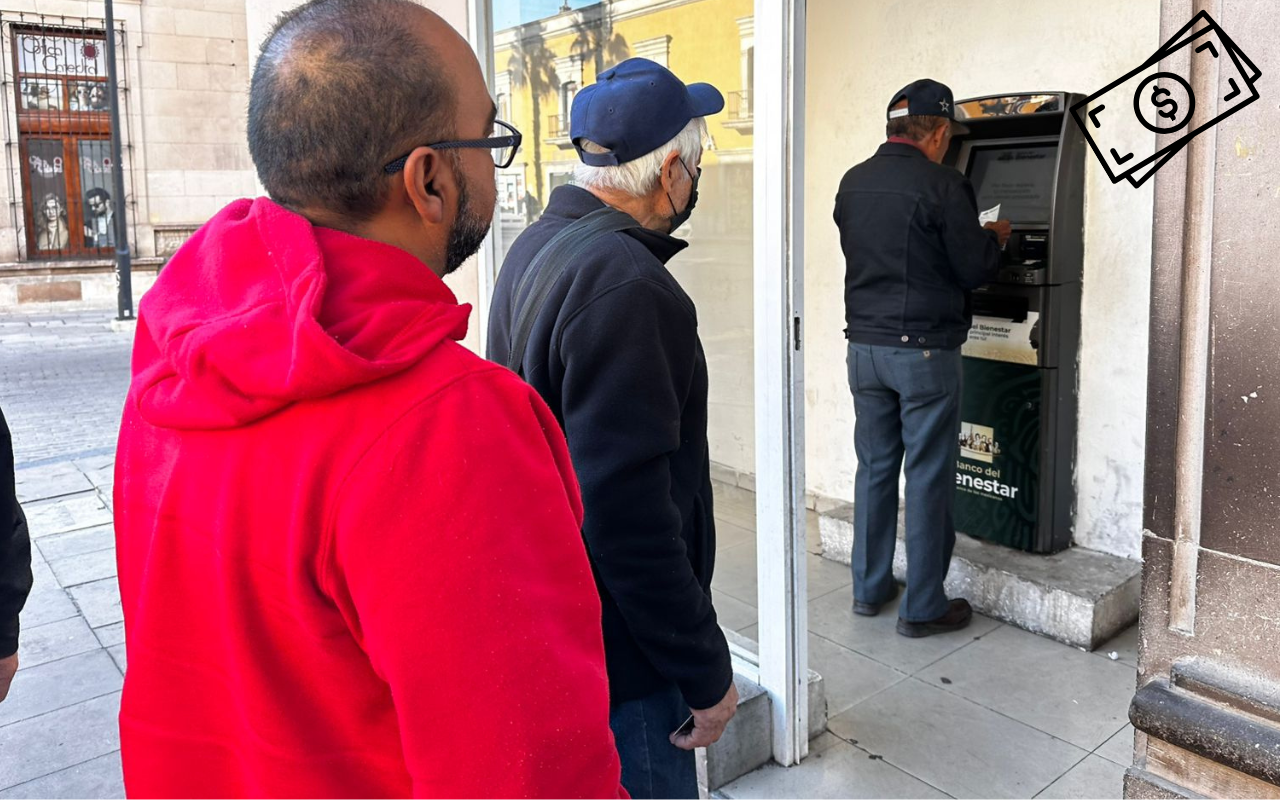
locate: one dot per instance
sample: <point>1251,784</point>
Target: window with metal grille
<point>56,77</point>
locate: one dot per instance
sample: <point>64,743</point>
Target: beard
<point>469,231</point>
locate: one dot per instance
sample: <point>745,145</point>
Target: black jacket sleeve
<point>15,549</point>
<point>629,357</point>
<point>974,251</point>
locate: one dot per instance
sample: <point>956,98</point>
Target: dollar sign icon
<point>1156,92</point>
<point>1164,102</point>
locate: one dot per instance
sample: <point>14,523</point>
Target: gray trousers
<point>907,403</point>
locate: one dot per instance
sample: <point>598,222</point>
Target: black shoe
<point>872,609</point>
<point>958,615</point>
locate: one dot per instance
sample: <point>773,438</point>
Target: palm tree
<point>597,39</point>
<point>533,66</point>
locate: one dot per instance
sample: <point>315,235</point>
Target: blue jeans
<point>651,765</point>
<point>907,403</point>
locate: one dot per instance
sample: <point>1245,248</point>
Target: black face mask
<point>681,217</point>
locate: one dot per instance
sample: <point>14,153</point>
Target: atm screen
<point>1017,177</point>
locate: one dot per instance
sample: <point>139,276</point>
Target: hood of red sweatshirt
<point>261,309</point>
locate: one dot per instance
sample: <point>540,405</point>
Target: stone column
<point>1207,709</point>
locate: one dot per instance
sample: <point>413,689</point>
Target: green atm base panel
<point>998,469</point>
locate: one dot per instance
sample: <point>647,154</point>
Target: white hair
<point>638,177</point>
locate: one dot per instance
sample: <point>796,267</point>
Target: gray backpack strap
<point>546,268</point>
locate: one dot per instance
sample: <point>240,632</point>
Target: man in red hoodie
<point>349,553</point>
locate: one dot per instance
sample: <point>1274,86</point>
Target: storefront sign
<point>60,55</point>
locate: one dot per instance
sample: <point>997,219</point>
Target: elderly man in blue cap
<point>586,311</point>
<point>914,250</point>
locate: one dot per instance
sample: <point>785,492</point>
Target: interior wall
<point>859,54</point>
<point>262,15</point>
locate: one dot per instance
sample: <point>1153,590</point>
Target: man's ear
<point>670,170</point>
<point>430,185</point>
<point>938,139</point>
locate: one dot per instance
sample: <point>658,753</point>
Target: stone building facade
<point>183,68</point>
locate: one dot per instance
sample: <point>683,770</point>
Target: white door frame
<point>480,35</point>
<point>778,105</point>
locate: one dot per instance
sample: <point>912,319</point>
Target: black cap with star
<point>926,98</point>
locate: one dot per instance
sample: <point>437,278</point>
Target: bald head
<point>342,87</point>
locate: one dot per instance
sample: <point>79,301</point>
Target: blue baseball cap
<point>926,98</point>
<point>635,108</point>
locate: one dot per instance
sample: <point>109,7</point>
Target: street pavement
<point>63,380</point>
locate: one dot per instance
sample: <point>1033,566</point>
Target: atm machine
<point>1014,474</point>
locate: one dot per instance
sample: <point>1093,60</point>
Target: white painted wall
<point>859,54</point>
<point>262,16</point>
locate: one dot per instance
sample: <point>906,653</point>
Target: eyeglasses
<point>503,148</point>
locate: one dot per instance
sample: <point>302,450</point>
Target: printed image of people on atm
<point>978,442</point>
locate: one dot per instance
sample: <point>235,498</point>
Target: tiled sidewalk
<point>991,711</point>
<point>58,734</point>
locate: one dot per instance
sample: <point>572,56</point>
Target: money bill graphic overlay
<point>1148,99</point>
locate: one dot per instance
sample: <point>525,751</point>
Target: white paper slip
<point>990,215</point>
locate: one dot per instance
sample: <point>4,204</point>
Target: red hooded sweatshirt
<point>349,549</point>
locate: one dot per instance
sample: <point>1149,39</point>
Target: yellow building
<point>541,65</point>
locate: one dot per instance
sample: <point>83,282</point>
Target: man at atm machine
<point>914,250</point>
